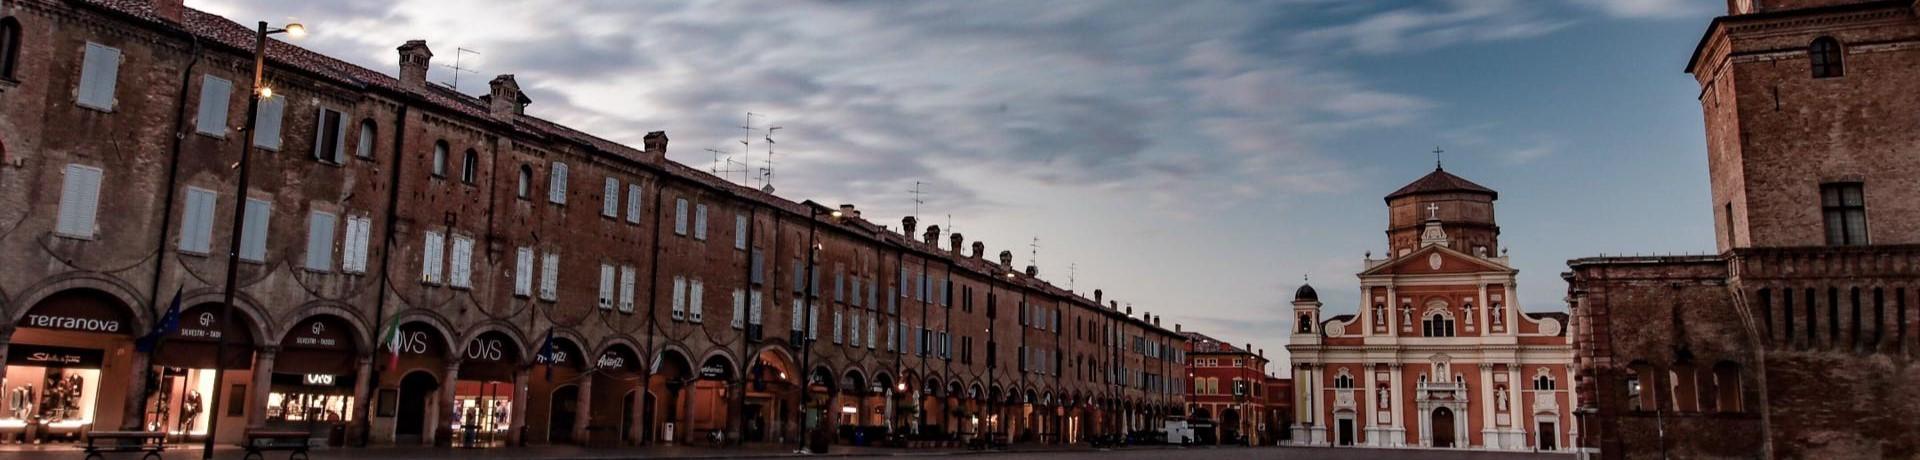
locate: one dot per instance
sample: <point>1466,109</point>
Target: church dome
<point>1306,294</point>
<point>1441,181</point>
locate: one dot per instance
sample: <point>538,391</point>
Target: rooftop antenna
<point>746,145</point>
<point>1033,254</point>
<point>1073,271</point>
<point>917,201</point>
<point>766,172</point>
<point>721,166</point>
<point>457,69</point>
<point>1436,158</point>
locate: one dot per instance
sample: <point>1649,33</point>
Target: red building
<point>1228,400</point>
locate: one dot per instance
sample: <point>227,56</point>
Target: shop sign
<point>72,323</point>
<point>716,371</point>
<point>485,349</point>
<point>318,333</point>
<point>201,322</point>
<point>611,361</point>
<point>21,354</point>
<point>319,380</point>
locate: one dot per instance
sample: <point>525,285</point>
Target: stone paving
<point>17,452</point>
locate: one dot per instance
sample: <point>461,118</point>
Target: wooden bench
<point>101,442</point>
<point>296,442</point>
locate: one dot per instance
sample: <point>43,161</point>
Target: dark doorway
<point>1548,436</point>
<point>415,390</point>
<point>646,418</point>
<point>1345,432</point>
<point>756,428</point>
<point>626,418</point>
<point>566,401</point>
<point>1443,427</point>
<point>1230,426</point>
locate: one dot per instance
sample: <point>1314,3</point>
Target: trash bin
<point>337,436</point>
<point>818,441</point>
<point>859,437</point>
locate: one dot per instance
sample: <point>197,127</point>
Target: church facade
<point>1439,354</point>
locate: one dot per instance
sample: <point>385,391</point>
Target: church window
<point>1824,55</point>
<point>9,47</point>
<point>1726,377</point>
<point>1844,207</point>
<point>1786,315</point>
<point>1543,383</point>
<point>1343,382</point>
<point>1438,325</point>
<point>1306,324</point>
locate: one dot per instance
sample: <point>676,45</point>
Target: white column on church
<point>1489,431</point>
<point>1393,314</point>
<point>1366,416</point>
<point>1513,405</point>
<point>1486,326</point>
<point>1399,402</point>
<point>1512,309</point>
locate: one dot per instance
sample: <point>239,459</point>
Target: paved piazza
<point>1220,453</point>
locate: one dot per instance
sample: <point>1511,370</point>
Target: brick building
<point>1228,401</point>
<point>1439,354</point>
<point>541,284</point>
<point>1793,341</point>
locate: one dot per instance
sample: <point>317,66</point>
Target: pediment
<point>1436,259</point>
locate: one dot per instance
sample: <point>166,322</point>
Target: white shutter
<point>836,326</point>
<point>813,324</point>
<point>606,286</point>
<point>700,222</point>
<point>196,221</point>
<point>550,277</point>
<point>740,231</point>
<point>753,307</point>
<point>557,185</point>
<point>853,329</point>
<point>633,203</point>
<point>99,74</point>
<point>253,241</point>
<point>626,289</point>
<point>739,319</point>
<point>797,313</point>
<point>856,292</point>
<point>680,216</point>
<point>873,327</point>
<point>320,241</point>
<point>610,201</point>
<point>359,231</point>
<point>462,261</point>
<point>216,95</point>
<point>523,272</point>
<point>890,334</point>
<point>266,125</point>
<point>697,300</point>
<point>79,201</point>
<point>430,257</point>
<point>679,298</point>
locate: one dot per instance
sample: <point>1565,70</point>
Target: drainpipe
<point>166,211</point>
<point>653,302</point>
<point>362,424</point>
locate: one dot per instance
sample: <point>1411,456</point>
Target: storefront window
<point>310,398</point>
<point>49,390</point>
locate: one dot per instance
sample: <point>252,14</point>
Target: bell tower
<point>1306,311</point>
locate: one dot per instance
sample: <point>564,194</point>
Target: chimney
<point>1096,296</point>
<point>505,99</point>
<point>848,211</point>
<point>1006,259</point>
<point>1129,310</point>
<point>173,11</point>
<point>933,235</point>
<point>1176,327</point>
<point>1249,345</point>
<point>1113,305</point>
<point>1263,352</point>
<point>1033,271</point>
<point>979,249</point>
<point>907,225</point>
<point>1156,321</point>
<point>655,146</point>
<point>953,243</point>
<point>414,57</point>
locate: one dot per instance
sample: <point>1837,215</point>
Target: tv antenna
<point>1033,254</point>
<point>722,163</point>
<point>1073,271</point>
<point>766,172</point>
<point>457,69</point>
<point>917,201</point>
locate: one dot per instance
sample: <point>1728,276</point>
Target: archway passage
<point>483,397</point>
<point>556,371</point>
<point>417,388</point>
<point>561,414</point>
<point>1443,427</point>
<point>771,392</point>
<point>615,377</point>
<point>70,343</point>
<point>710,396</point>
<point>185,360</point>
<point>672,375</point>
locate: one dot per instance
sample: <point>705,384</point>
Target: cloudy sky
<point>1193,158</point>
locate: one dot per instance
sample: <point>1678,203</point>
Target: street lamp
<point>806,321</point>
<point>260,91</point>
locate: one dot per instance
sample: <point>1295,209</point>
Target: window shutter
<point>253,241</point>
<point>196,221</point>
<point>893,303</point>
<point>799,277</point>
<point>320,241</point>
<point>873,300</point>
<point>633,203</point>
<point>740,231</point>
<point>359,231</point>
<point>856,292</point>
<point>698,300</point>
<point>739,319</point>
<point>626,289</point>
<point>679,298</point>
<point>853,329</point>
<point>904,282</point>
<point>557,185</point>
<point>462,261</point>
<point>797,314</point>
<point>99,74</point>
<point>757,275</point>
<point>216,95</point>
<point>836,326</point>
<point>550,277</point>
<point>839,284</point>
<point>430,262</point>
<point>610,199</point>
<point>813,324</point>
<point>753,307</point>
<point>873,326</point>
<point>606,286</point>
<point>523,272</point>
<point>700,222</point>
<point>266,125</point>
<point>813,286</point>
<point>680,216</point>
<point>79,201</point>
<point>367,131</point>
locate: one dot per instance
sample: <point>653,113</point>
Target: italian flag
<point>393,340</point>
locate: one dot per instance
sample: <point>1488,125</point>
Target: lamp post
<point>239,221</point>
<point>806,323</point>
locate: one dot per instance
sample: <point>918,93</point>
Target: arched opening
<point>9,48</point>
<point>616,374</point>
<point>710,396</point>
<point>469,166</point>
<point>553,392</point>
<point>525,187</point>
<point>56,358</point>
<point>440,159</point>
<point>1442,424</point>
<point>368,137</point>
<point>1437,324</point>
<point>673,374</point>
<point>185,361</point>
<point>770,387</point>
<point>417,390</point>
<point>483,395</point>
<point>315,376</point>
<point>562,413</point>
<point>1726,383</point>
<point>1826,58</point>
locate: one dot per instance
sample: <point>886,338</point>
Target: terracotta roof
<point>1441,181</point>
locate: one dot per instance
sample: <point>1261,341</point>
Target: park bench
<point>101,442</point>
<point>295,442</point>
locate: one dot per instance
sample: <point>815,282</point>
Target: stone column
<point>6,338</point>
<point>1397,390</point>
<point>517,419</point>
<point>262,386</point>
<point>1393,310</point>
<point>1489,431</point>
<point>363,383</point>
<point>448,410</point>
<point>1513,406</point>
<point>1486,326</point>
<point>134,407</point>
<point>583,410</point>
<point>1369,406</point>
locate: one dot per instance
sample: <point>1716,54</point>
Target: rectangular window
<point>839,284</point>
<point>610,199</point>
<point>196,221</point>
<point>1845,208</point>
<point>431,262</point>
<point>679,298</point>
<point>853,329</point>
<point>607,278</point>
<point>359,232</point>
<point>633,203</point>
<point>856,293</point>
<point>253,241</point>
<point>738,321</point>
<point>697,299</point>
<point>740,232</point>
<point>320,241</point>
<point>626,289</point>
<point>753,307</point>
<point>99,74</point>
<point>700,222</point>
<point>873,327</point>
<point>797,313</point>
<point>557,184</point>
<point>330,136</point>
<point>523,272</point>
<point>836,327</point>
<point>79,201</point>
<point>462,271</point>
<point>680,216</point>
<point>550,277</point>
<point>266,125</point>
<point>757,275</point>
<point>216,95</point>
